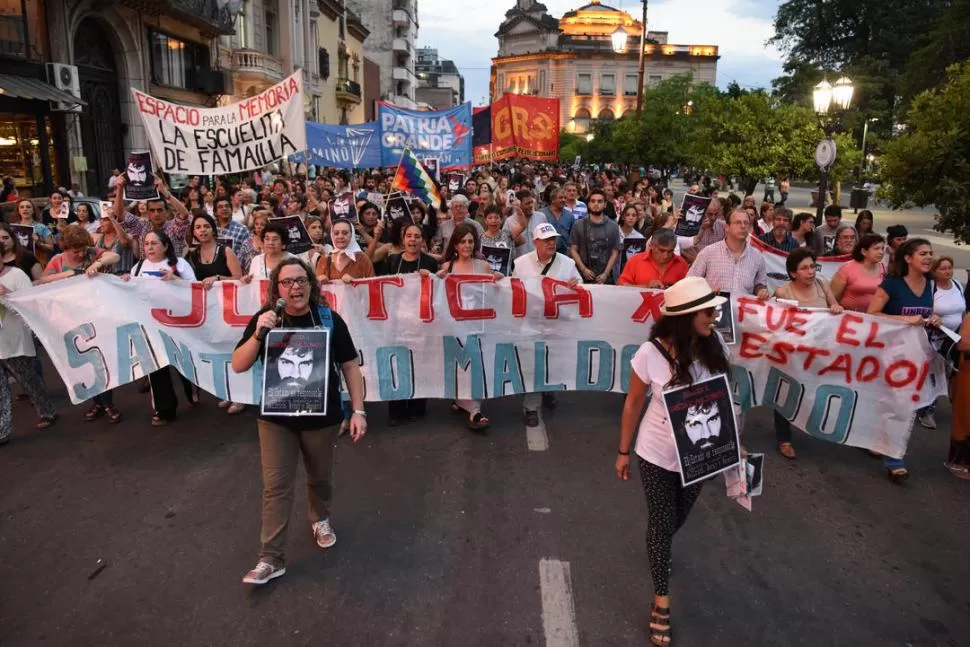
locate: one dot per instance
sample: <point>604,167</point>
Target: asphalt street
<point>129,535</point>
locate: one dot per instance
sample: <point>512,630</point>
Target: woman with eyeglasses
<point>159,262</point>
<point>684,348</point>
<point>808,291</point>
<point>283,438</point>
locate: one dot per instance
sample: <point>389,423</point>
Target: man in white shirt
<point>544,261</point>
<point>576,206</point>
<point>523,221</point>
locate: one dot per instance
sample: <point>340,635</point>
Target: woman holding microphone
<point>283,438</point>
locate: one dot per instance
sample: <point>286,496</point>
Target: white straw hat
<point>688,295</point>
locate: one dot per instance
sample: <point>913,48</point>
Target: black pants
<point>164,399</point>
<point>782,428</point>
<point>668,504</point>
<point>405,409</point>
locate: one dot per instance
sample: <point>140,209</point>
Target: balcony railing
<point>210,16</point>
<point>249,61</point>
<point>402,45</point>
<point>347,91</point>
<point>404,74</point>
<point>402,18</point>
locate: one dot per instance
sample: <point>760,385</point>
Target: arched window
<point>605,115</point>
<point>581,120</point>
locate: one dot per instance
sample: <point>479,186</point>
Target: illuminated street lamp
<point>590,137</point>
<point>618,39</point>
<point>830,102</point>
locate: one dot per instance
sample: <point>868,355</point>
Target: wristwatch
<point>360,412</point>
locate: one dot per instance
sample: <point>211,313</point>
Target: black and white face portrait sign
<point>140,177</point>
<point>295,372</point>
<point>343,207</point>
<point>296,233</point>
<point>456,182</point>
<point>25,236</point>
<point>692,211</point>
<point>701,418</point>
<point>725,319</point>
<point>498,258</point>
<point>397,207</point>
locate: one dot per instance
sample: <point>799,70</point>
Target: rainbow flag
<point>414,178</point>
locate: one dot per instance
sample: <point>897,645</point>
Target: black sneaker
<point>531,418</point>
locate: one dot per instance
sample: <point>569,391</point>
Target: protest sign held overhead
<point>242,136</point>
<point>498,258</point>
<point>443,134</point>
<point>705,431</point>
<point>140,177</point>
<point>298,238</point>
<point>692,211</point>
<point>397,207</point>
<point>344,207</point>
<point>345,147</point>
<point>25,236</point>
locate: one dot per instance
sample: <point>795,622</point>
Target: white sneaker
<point>263,573</point>
<point>928,421</point>
<point>324,534</point>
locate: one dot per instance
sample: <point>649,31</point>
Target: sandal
<point>46,422</point>
<point>94,413</point>
<point>897,474</point>
<point>235,408</point>
<point>659,627</point>
<point>158,421</point>
<point>786,450</point>
<point>478,422</point>
<point>114,416</point>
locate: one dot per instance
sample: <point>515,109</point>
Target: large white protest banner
<point>851,378</point>
<point>243,136</point>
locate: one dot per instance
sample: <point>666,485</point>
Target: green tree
<point>947,43</point>
<point>930,164</point>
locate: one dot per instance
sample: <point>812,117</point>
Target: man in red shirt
<point>658,267</point>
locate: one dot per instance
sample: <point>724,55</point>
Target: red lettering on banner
<point>911,374</point>
<point>871,337</point>
<point>845,331</point>
<point>796,322</point>
<point>751,343</point>
<point>576,294</point>
<point>775,318</point>
<point>788,318</point>
<point>195,317</point>
<point>924,372</point>
<point>779,353</point>
<point>230,305</point>
<point>453,283</point>
<point>182,115</point>
<point>747,306</point>
<point>518,298</point>
<point>377,309</point>
<point>427,298</point>
<point>842,364</point>
<point>650,306</point>
<point>812,354</point>
<point>861,375</point>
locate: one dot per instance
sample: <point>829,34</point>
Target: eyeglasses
<point>289,283</point>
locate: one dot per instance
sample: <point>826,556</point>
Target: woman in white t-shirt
<point>18,359</point>
<point>160,262</point>
<point>949,301</point>
<point>684,348</point>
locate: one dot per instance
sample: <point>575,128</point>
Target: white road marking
<point>537,438</point>
<point>558,610</point>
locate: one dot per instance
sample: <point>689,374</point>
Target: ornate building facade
<point>572,59</point>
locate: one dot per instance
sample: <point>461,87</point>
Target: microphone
<point>278,311</point>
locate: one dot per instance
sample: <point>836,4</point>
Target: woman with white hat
<point>684,348</point>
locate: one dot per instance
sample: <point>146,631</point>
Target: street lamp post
<point>643,46</point>
<point>830,101</point>
<point>865,132</point>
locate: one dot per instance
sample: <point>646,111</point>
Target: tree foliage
<point>930,164</point>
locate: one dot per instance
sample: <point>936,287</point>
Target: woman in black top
<point>283,438</point>
<point>14,255</point>
<point>211,262</point>
<point>411,260</point>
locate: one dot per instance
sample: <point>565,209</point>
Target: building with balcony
<point>572,59</point>
<point>271,39</point>
<point>89,53</point>
<point>440,85</point>
<point>393,27</point>
<point>341,35</point>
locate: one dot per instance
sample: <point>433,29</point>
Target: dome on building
<point>597,20</point>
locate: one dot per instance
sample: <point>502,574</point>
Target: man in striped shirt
<point>732,265</point>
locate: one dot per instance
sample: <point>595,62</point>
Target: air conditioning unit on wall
<point>65,78</point>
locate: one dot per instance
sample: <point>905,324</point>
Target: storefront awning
<point>24,87</point>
